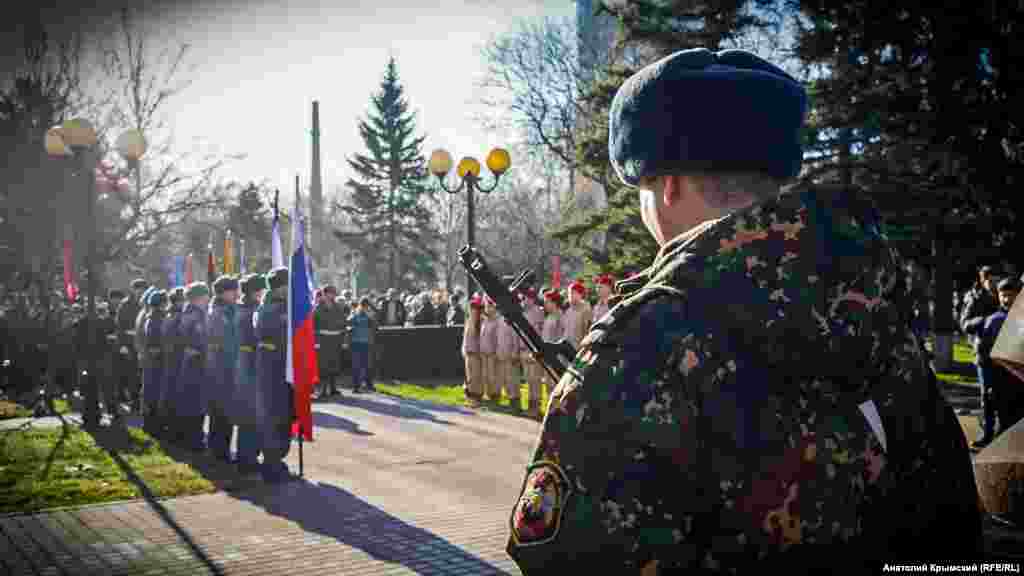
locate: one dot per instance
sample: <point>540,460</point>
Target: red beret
<point>605,280</point>
<point>476,301</point>
<point>553,295</point>
<point>578,286</point>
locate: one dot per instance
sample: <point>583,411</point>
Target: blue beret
<point>223,284</point>
<point>156,298</point>
<point>699,111</point>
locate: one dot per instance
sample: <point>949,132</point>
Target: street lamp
<point>131,145</point>
<point>76,137</point>
<point>468,171</point>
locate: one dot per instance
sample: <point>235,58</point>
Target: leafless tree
<point>157,194</point>
<point>534,81</point>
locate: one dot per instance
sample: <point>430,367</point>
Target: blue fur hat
<point>156,298</point>
<point>699,111</point>
<point>223,284</point>
<point>145,295</point>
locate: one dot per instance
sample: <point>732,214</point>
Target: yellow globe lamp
<point>131,145</point>
<point>468,165</point>
<point>78,133</point>
<point>498,161</point>
<point>55,145</point>
<point>440,162</point>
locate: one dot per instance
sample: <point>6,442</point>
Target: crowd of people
<point>984,310</point>
<point>497,360</point>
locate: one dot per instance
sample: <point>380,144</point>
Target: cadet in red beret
<point>578,315</point>
<point>473,385</point>
<point>605,288</point>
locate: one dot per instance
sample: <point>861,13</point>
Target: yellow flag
<point>229,255</point>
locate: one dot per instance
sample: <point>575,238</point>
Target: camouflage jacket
<point>756,399</point>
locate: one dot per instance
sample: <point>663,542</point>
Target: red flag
<point>70,288</point>
<point>188,269</point>
<point>211,269</point>
<point>556,272</point>
<point>301,369</point>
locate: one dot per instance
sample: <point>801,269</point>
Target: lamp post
<point>131,145</point>
<point>468,171</point>
<point>76,137</point>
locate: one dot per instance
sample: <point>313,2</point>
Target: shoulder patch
<point>537,516</point>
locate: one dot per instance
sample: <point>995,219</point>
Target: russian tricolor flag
<point>301,358</point>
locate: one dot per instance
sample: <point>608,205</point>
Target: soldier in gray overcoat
<point>272,331</point>
<point>173,353</point>
<point>221,361</point>
<point>192,396</point>
<point>249,408</point>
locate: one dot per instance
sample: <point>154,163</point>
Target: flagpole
<point>295,231</point>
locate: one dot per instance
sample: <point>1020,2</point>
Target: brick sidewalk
<point>305,528</point>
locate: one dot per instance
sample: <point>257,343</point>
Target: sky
<point>256,67</point>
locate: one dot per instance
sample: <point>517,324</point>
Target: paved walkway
<point>392,487</point>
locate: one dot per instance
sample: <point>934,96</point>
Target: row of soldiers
<point>223,358</point>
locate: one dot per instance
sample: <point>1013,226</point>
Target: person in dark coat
<point>329,321</point>
<point>192,395</point>
<point>1002,388</point>
<point>250,411</point>
<point>128,361</point>
<point>980,303</point>
<point>154,362</point>
<point>173,354</point>
<point>456,315</point>
<point>425,314</point>
<point>222,342</point>
<point>272,331</point>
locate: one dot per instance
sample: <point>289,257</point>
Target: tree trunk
<point>942,322</point>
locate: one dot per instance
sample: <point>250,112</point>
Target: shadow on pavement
<point>328,420</point>
<point>397,409</point>
<point>427,405</point>
<point>115,440</point>
<point>336,513</point>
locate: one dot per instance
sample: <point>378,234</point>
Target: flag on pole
<point>301,357</point>
<point>229,254</point>
<point>179,270</point>
<point>241,257</point>
<point>277,256</point>
<point>70,287</point>
<point>211,268</point>
<point>188,269</point>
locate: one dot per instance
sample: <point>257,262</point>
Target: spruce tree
<point>388,204</point>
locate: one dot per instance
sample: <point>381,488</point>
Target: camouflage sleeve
<point>608,481</point>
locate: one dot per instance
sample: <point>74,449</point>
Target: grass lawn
<point>50,467</point>
<point>451,394</point>
<point>10,409</point>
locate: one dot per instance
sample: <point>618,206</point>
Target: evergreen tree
<point>388,204</point>
<point>649,29</point>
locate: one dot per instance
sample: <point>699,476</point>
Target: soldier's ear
<point>671,188</point>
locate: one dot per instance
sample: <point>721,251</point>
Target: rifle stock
<point>553,356</point>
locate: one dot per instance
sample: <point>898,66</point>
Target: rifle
<point>553,356</point>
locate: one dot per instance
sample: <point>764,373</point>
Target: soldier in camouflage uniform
<point>329,322</point>
<point>757,399</point>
